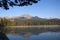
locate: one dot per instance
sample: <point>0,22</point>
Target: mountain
<point>28,17</point>
<point>54,19</point>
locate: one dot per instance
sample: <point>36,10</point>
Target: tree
<point>6,3</point>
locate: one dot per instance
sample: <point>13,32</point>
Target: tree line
<point>6,22</point>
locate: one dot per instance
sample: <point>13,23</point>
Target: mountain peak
<point>26,16</point>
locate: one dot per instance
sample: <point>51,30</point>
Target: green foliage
<point>6,3</point>
<point>6,22</point>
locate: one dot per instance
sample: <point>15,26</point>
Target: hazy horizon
<point>27,15</point>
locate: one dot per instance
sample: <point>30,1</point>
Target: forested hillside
<point>7,22</point>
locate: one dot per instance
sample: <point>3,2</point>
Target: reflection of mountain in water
<point>25,34</point>
<point>40,36</point>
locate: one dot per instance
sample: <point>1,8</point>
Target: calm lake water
<point>40,36</point>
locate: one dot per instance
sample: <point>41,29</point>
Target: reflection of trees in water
<point>25,34</point>
<point>2,35</point>
<point>33,30</point>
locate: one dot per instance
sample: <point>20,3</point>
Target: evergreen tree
<point>6,3</point>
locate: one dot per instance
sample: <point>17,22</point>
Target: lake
<point>42,32</point>
<point>39,36</point>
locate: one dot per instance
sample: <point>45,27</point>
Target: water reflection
<point>30,36</point>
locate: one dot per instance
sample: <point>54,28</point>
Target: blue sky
<point>44,9</point>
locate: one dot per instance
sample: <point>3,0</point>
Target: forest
<point>6,22</point>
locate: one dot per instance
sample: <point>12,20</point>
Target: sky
<point>43,9</point>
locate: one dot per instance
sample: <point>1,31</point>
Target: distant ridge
<point>29,20</point>
<point>29,17</point>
